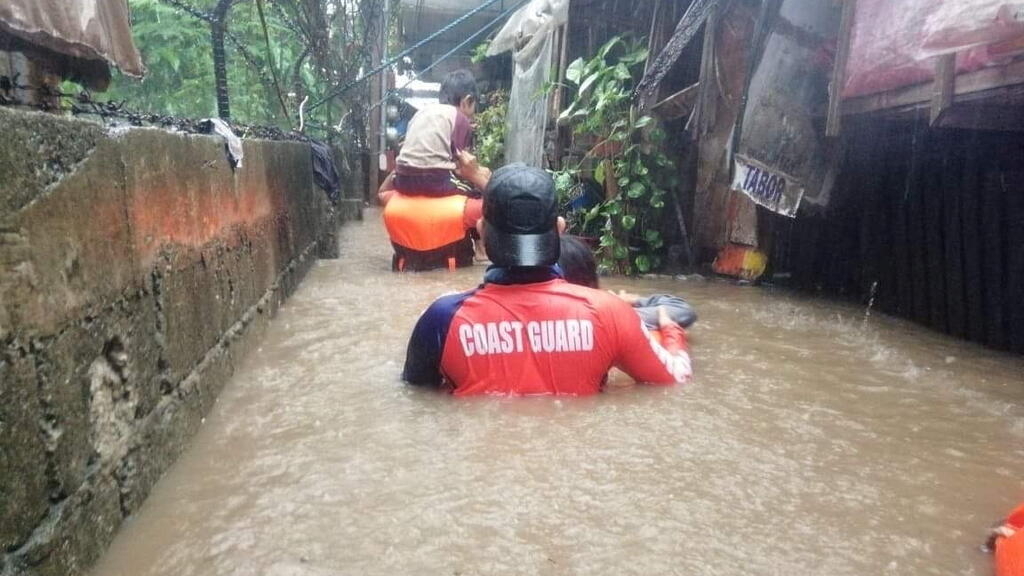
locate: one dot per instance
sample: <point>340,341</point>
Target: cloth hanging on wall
<point>82,29</point>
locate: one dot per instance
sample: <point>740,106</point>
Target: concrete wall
<point>136,269</point>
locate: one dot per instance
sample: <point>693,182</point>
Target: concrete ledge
<point>136,271</point>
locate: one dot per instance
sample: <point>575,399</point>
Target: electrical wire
<point>448,54</point>
<point>384,65</point>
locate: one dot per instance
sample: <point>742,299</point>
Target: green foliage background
<point>490,130</point>
<point>311,58</point>
<point>630,164</point>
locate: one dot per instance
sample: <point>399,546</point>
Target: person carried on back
<point>431,201</point>
<point>526,331</point>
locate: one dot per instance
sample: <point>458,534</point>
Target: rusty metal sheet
<point>85,29</point>
<point>782,156</point>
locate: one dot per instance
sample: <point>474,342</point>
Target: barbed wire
<point>110,111</point>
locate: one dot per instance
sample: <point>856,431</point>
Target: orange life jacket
<point>1010,550</point>
<point>428,232</point>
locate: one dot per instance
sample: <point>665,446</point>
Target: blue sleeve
<point>426,345</point>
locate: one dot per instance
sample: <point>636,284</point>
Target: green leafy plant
<point>629,164</point>
<point>490,129</point>
<point>479,53</point>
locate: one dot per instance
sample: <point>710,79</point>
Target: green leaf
<point>628,221</point>
<point>622,73</point>
<point>635,56</point>
<point>620,252</point>
<point>657,202</point>
<point>563,180</point>
<point>588,82</point>
<point>642,121</point>
<point>574,71</point>
<point>568,112</point>
<point>599,173</point>
<point>635,190</point>
<point>652,235</point>
<point>608,46</point>
<point>643,263</point>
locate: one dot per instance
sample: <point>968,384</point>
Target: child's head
<point>577,262</point>
<point>459,90</point>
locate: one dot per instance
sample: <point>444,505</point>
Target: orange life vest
<point>1010,550</point>
<point>428,232</point>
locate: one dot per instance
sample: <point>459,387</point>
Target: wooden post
<point>696,14</point>
<point>652,37</point>
<point>835,89</point>
<point>944,87</point>
<point>646,100</point>
<point>562,37</point>
<point>703,117</point>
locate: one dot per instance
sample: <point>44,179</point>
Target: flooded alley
<point>814,439</point>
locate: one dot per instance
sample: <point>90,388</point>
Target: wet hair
<point>456,86</point>
<point>577,262</point>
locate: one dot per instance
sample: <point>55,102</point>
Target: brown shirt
<point>427,159</point>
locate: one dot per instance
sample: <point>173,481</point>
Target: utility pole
<point>384,88</point>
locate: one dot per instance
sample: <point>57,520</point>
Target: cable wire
<point>462,44</point>
<point>400,55</point>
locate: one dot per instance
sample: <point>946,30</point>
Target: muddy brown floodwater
<point>813,440</point>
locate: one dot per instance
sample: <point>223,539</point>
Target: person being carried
<point>525,330</point>
<point>579,267</point>
<point>432,199</point>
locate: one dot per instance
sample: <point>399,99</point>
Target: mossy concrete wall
<point>136,269</point>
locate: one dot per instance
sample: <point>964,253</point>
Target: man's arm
<point>426,345</point>
<point>423,355</point>
<point>643,358</point>
<point>471,170</point>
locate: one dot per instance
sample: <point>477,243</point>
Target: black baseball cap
<point>521,212</point>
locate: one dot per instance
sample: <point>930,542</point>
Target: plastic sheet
<point>529,33</point>
<point>963,24</point>
<point>528,109</point>
<point>894,42</point>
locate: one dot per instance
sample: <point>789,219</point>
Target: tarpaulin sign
<point>767,188</point>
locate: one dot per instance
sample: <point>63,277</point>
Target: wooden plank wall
<point>933,218</point>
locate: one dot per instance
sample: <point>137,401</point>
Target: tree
<point>255,60</point>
